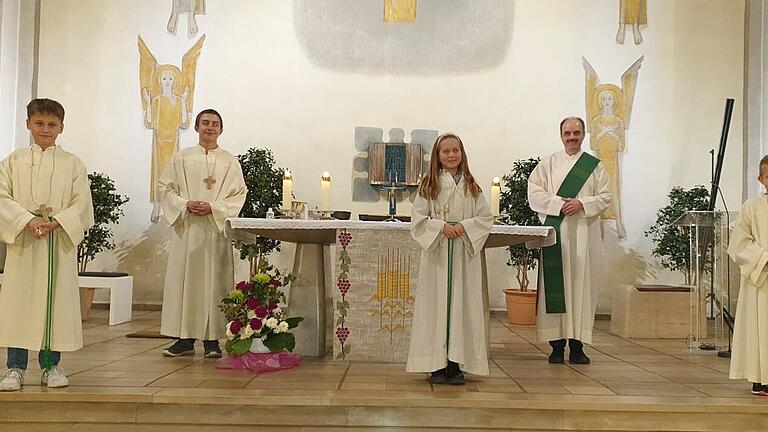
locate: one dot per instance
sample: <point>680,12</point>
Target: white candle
<point>287,190</point>
<point>325,191</point>
<point>495,196</point>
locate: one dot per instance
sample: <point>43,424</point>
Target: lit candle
<point>495,196</point>
<point>325,191</point>
<point>287,190</point>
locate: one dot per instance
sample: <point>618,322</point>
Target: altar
<point>357,281</point>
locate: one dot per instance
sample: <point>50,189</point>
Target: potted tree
<point>514,209</point>
<point>107,209</point>
<point>672,243</point>
<point>265,191</point>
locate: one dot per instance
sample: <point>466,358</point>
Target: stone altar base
<point>657,311</point>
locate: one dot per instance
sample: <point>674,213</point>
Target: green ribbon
<point>450,290</point>
<point>47,361</point>
<point>552,256</point>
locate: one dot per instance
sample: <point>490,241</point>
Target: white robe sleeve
<point>478,227</point>
<point>13,216</point>
<point>601,198</point>
<point>233,194</point>
<point>174,206</point>
<point>77,217</point>
<point>746,252</point>
<point>424,229</point>
<point>540,199</point>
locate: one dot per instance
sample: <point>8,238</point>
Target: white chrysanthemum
<point>271,322</point>
<point>277,311</point>
<point>251,315</point>
<point>246,332</point>
<point>282,327</point>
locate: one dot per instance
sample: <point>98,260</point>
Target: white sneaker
<point>54,378</point>
<point>12,380</point>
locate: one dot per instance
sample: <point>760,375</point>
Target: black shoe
<point>455,379</point>
<point>180,348</point>
<point>558,351</point>
<point>212,349</point>
<point>557,357</point>
<point>438,377</point>
<point>453,374</point>
<point>578,358</point>
<point>576,354</point>
<point>759,389</point>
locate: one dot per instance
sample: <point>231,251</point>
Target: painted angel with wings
<point>609,110</point>
<point>166,97</point>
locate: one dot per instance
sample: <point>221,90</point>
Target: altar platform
<point>124,384</point>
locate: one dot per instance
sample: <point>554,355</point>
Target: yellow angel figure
<point>191,8</point>
<point>167,95</point>
<point>635,14</point>
<point>399,11</point>
<point>609,110</point>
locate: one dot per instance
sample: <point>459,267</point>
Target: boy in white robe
<point>749,249</point>
<point>201,188</point>
<point>448,332</point>
<point>45,208</point>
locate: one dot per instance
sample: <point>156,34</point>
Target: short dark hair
<point>45,106</point>
<point>209,111</point>
<point>763,163</point>
<point>583,129</point>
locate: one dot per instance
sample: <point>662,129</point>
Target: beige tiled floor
<point>518,366</point>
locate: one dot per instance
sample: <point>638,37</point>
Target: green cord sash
<point>450,291</point>
<point>47,361</point>
<point>552,256</point>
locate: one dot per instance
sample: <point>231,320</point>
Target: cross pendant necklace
<point>209,180</point>
<point>42,209</point>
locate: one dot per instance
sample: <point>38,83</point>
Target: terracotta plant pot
<point>521,306</point>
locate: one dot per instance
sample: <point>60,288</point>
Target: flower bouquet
<point>258,337</point>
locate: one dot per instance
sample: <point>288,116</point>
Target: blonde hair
<point>430,183</point>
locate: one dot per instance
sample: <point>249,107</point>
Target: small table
<point>367,248</point>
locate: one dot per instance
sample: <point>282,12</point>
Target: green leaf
<point>340,356</point>
<point>294,322</point>
<point>347,349</point>
<point>280,341</point>
<point>241,346</point>
<point>340,321</point>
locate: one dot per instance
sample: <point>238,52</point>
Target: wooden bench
<point>120,286</point>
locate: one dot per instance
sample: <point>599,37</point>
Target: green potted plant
<point>265,191</point>
<point>515,210</point>
<point>672,243</point>
<point>107,209</point>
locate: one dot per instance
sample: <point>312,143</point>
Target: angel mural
<point>609,110</point>
<point>167,95</point>
<point>191,8</point>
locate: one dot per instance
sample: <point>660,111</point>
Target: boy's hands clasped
<point>39,228</point>
<point>453,231</point>
<point>199,208</point>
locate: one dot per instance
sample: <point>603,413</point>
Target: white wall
<point>17,61</point>
<point>255,70</point>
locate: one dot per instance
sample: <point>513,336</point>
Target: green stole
<point>552,256</point>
